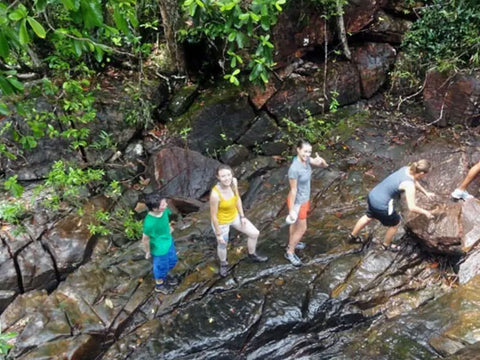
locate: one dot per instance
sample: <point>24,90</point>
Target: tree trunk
<point>169,10</point>
<point>342,32</point>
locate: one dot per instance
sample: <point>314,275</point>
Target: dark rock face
<point>388,29</point>
<point>176,171</point>
<point>373,62</point>
<point>234,155</point>
<point>452,100</point>
<point>304,92</point>
<point>264,128</point>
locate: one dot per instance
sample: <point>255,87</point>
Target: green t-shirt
<point>158,230</point>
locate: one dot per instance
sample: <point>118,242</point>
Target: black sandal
<point>355,239</point>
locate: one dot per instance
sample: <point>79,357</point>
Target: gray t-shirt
<point>388,189</point>
<point>302,173</point>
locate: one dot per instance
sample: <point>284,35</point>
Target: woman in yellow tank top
<point>226,210</point>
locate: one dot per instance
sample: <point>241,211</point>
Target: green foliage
<point>70,184</point>
<point>121,221</point>
<point>4,345</point>
<point>12,212</point>
<point>13,186</point>
<point>239,25</point>
<point>315,130</point>
<point>446,36</point>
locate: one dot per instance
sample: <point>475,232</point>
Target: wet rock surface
<point>348,301</point>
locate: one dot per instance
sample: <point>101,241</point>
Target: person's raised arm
<point>409,189</point>
<point>318,161</point>
<point>214,200</point>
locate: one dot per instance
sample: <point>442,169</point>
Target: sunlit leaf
<point>36,27</point>
<point>23,33</point>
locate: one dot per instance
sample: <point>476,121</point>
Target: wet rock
<point>467,352</point>
<point>36,268</point>
<point>264,128</point>
<point>182,99</point>
<point>454,230</point>
<point>234,155</point>
<point>22,310</point>
<point>452,100</point>
<point>6,297</point>
<point>8,274</point>
<point>186,205</point>
<point>300,92</point>
<point>69,241</point>
<point>388,29</point>
<point>271,148</point>
<point>79,347</point>
<point>373,61</point>
<point>181,172</point>
<point>359,14</point>
<point>216,120</point>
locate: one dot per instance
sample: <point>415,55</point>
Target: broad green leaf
<point>5,86</point>
<point>4,48</point>
<point>36,27</point>
<point>23,33</point>
<point>4,109</point>
<point>15,83</point>
<point>17,14</point>
<point>120,20</point>
<point>98,53</point>
<point>92,13</point>
<point>40,5</point>
<point>78,47</point>
<point>71,5</point>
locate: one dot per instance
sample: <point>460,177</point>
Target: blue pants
<point>164,263</point>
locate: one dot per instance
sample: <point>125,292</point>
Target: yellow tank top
<point>227,209</point>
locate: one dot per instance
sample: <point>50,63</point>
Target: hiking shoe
<point>354,239</point>
<point>294,259</point>
<point>257,258</point>
<point>171,280</point>
<point>223,269</point>
<point>161,288</point>
<point>461,194</point>
<point>300,246</point>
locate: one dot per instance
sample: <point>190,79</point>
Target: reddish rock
<point>180,172</point>
<point>373,61</point>
<point>387,28</point>
<point>452,100</point>
<point>303,90</point>
<point>360,13</point>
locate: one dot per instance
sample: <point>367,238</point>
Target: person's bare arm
<point>409,189</point>
<point>214,200</point>
<point>146,245</point>
<point>318,161</point>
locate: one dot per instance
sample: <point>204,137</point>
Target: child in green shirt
<point>157,240</point>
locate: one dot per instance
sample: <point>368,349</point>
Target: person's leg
<point>472,174</point>
<point>297,230</point>
<point>172,257</point>
<point>391,231</point>
<point>160,267</point>
<point>250,230</point>
<point>361,223</point>
<point>222,248</point>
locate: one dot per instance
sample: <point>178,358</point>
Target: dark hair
<point>153,200</point>
<point>302,142</point>
<point>420,166</point>
<point>224,167</point>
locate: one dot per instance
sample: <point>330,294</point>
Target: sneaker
<point>461,194</point>
<point>300,246</point>
<point>161,288</point>
<point>294,259</point>
<point>223,269</point>
<point>257,258</point>
<point>354,239</point>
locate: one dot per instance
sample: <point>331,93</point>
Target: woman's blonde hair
<point>420,166</point>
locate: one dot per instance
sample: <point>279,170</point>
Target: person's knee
<point>221,246</point>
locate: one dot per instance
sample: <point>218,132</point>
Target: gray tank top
<point>388,189</point>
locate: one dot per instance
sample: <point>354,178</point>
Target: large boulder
<point>302,91</point>
<point>182,172</point>
<point>454,230</point>
<point>373,61</point>
<point>387,28</point>
<point>452,100</point>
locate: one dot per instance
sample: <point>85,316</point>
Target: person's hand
<point>221,240</point>
<point>430,194</point>
<point>243,221</point>
<point>429,215</point>
<point>147,255</point>
<point>323,163</point>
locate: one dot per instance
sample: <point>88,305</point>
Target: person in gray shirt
<point>381,200</point>
<point>299,175</point>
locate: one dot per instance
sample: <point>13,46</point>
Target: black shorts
<point>383,216</point>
